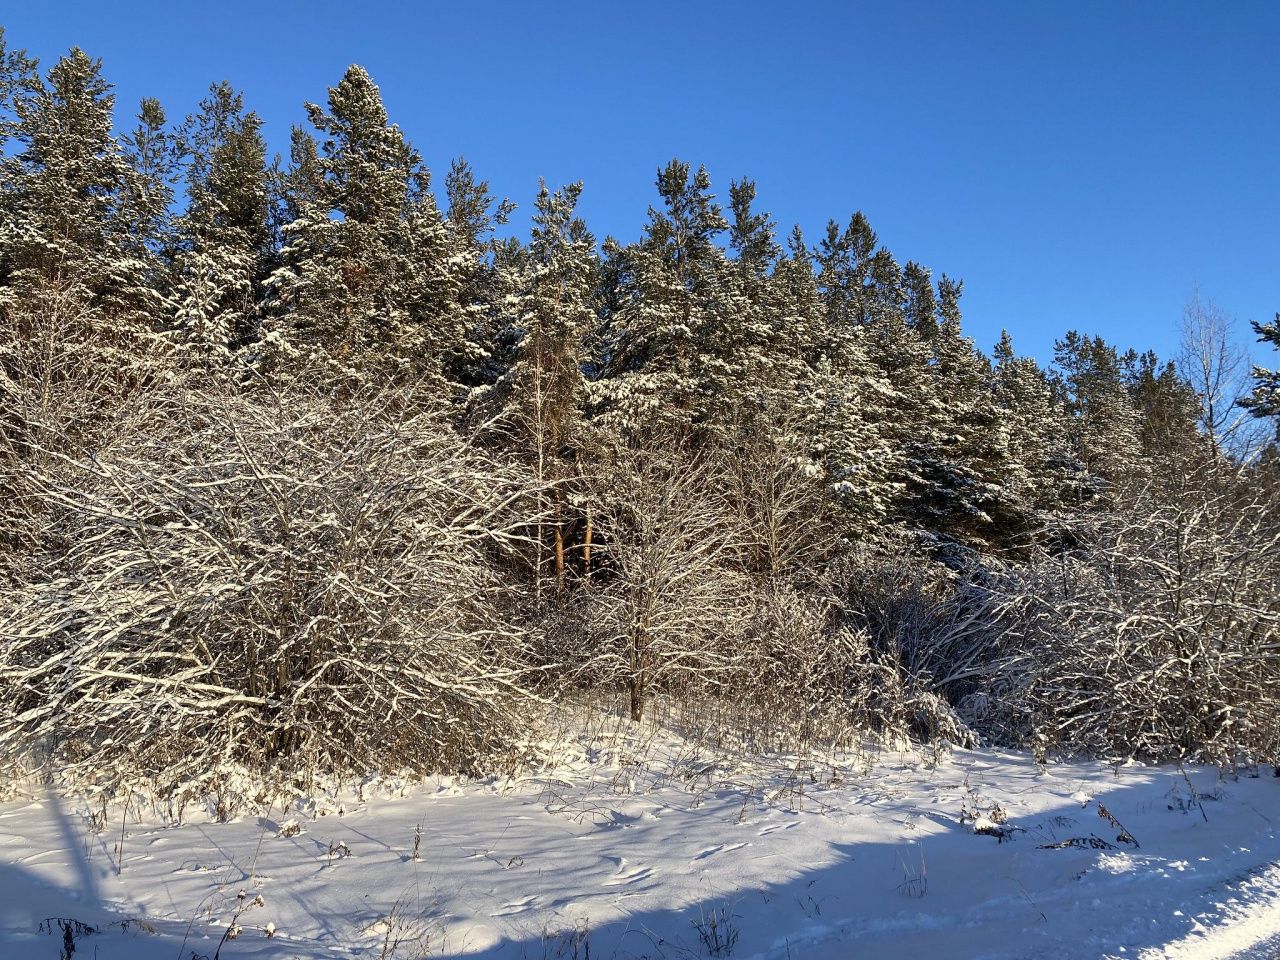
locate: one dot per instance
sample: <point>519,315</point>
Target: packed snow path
<point>674,855</point>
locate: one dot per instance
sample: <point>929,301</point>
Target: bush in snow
<point>1159,637</point>
<point>279,581</point>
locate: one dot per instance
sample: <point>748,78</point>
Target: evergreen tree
<point>226,238</point>
<point>538,402</point>
<point>957,462</point>
<point>1040,475</point>
<point>366,280</point>
<point>740,365</point>
<point>1104,427</point>
<point>81,212</point>
<point>1265,399</point>
<point>663,309</point>
<point>921,301</point>
<point>476,259</point>
<point>1169,413</point>
<point>842,397</point>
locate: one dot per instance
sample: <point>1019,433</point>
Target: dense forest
<point>308,466</point>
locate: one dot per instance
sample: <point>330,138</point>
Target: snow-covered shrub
<point>283,582</point>
<point>1159,637</point>
<point>670,605</point>
<point>66,373</point>
<point>915,616</point>
<point>814,677</point>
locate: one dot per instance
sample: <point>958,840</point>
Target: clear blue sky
<point>1079,164</point>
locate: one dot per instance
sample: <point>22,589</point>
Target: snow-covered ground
<point>647,846</point>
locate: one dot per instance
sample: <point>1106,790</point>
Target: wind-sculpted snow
<point>645,845</point>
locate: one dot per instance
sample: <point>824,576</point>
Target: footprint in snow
<point>765,831</point>
<point>523,905</point>
<point>626,875</point>
<point>722,848</point>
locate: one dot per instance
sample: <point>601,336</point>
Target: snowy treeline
<point>305,468</point>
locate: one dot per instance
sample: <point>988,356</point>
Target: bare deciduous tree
<point>677,599</point>
<point>1217,368</point>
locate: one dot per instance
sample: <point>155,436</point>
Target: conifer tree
<point>226,236</point>
<point>957,462</point>
<point>476,259</point>
<point>663,309</point>
<point>83,212</point>
<point>1265,399</point>
<point>538,401</point>
<point>921,301</point>
<point>1040,476</point>
<point>740,361</point>
<point>1103,425</point>
<point>1169,411</point>
<point>842,397</point>
<point>365,281</point>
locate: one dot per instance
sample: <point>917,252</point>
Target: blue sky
<point>1080,164</point>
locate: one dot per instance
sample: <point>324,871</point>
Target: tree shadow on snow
<point>1062,883</point>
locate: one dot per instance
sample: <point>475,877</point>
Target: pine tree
<point>81,244</point>
<point>81,211</point>
<point>1103,425</point>
<point>538,402</point>
<point>366,281</point>
<point>739,363</point>
<point>662,308</point>
<point>1040,476</point>
<point>476,260</point>
<point>1169,412</point>
<point>1265,399</point>
<point>226,237</point>
<point>958,462</point>
<point>921,300</point>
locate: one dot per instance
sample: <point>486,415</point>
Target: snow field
<point>653,847</point>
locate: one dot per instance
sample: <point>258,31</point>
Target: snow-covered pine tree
<point>739,364</point>
<point>1104,427</point>
<point>79,252</point>
<point>868,301</point>
<point>477,260</point>
<point>1040,475</point>
<point>365,283</point>
<point>840,397</point>
<point>79,213</point>
<point>921,300</point>
<point>1265,399</point>
<point>958,464</point>
<point>860,280</point>
<point>538,401</point>
<point>146,209</point>
<point>226,240</point>
<point>1169,411</point>
<point>662,310</point>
